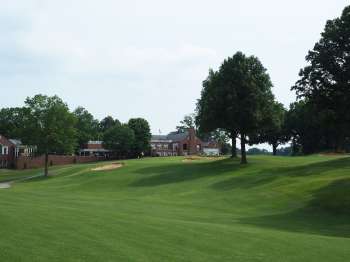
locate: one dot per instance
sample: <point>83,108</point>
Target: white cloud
<point>86,45</point>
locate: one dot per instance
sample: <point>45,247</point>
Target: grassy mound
<point>162,209</point>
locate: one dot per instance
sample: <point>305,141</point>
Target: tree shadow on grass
<point>175,173</point>
<point>36,179</point>
<point>265,176</point>
<point>328,213</point>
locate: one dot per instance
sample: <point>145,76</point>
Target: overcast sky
<point>148,58</point>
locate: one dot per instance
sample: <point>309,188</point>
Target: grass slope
<point>163,209</point>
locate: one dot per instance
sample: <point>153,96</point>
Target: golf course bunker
<point>5,185</point>
<point>108,167</point>
<point>191,158</point>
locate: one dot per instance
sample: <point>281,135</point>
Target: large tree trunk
<point>274,149</point>
<point>294,147</point>
<point>339,144</point>
<point>243,150</point>
<point>234,145</point>
<point>46,171</point>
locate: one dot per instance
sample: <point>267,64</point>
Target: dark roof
<point>173,136</point>
<point>177,136</point>
<point>16,142</point>
<point>159,137</point>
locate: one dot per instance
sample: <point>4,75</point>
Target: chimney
<point>192,141</point>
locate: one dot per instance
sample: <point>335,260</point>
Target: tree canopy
<point>13,121</point>
<point>273,130</point>
<point>108,122</point>
<point>50,126</point>
<point>87,127</point>
<point>187,122</point>
<point>119,139</point>
<point>142,133</point>
<point>325,82</point>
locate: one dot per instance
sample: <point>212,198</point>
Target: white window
<point>5,150</point>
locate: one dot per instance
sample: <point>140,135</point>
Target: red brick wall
<point>191,142</point>
<point>23,162</point>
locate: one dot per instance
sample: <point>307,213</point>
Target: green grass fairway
<point>164,209</point>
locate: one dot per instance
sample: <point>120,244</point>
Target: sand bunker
<point>192,158</point>
<point>108,167</point>
<point>5,185</point>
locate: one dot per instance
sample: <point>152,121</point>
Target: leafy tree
<point>50,126</point>
<point>12,122</point>
<point>295,126</point>
<point>276,133</point>
<point>107,123</point>
<point>186,123</point>
<point>87,127</point>
<point>142,133</point>
<point>238,96</point>
<point>307,128</point>
<point>246,90</point>
<point>120,139</point>
<point>325,82</point>
<point>220,136</point>
<point>273,130</point>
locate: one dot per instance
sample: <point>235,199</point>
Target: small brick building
<point>11,150</point>
<point>7,152</point>
<point>94,148</point>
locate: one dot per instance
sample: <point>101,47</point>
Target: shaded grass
<point>175,173</point>
<point>9,175</point>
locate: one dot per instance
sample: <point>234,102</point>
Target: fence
<point>23,162</point>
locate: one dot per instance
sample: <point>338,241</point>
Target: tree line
<point>237,98</point>
<point>47,123</point>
